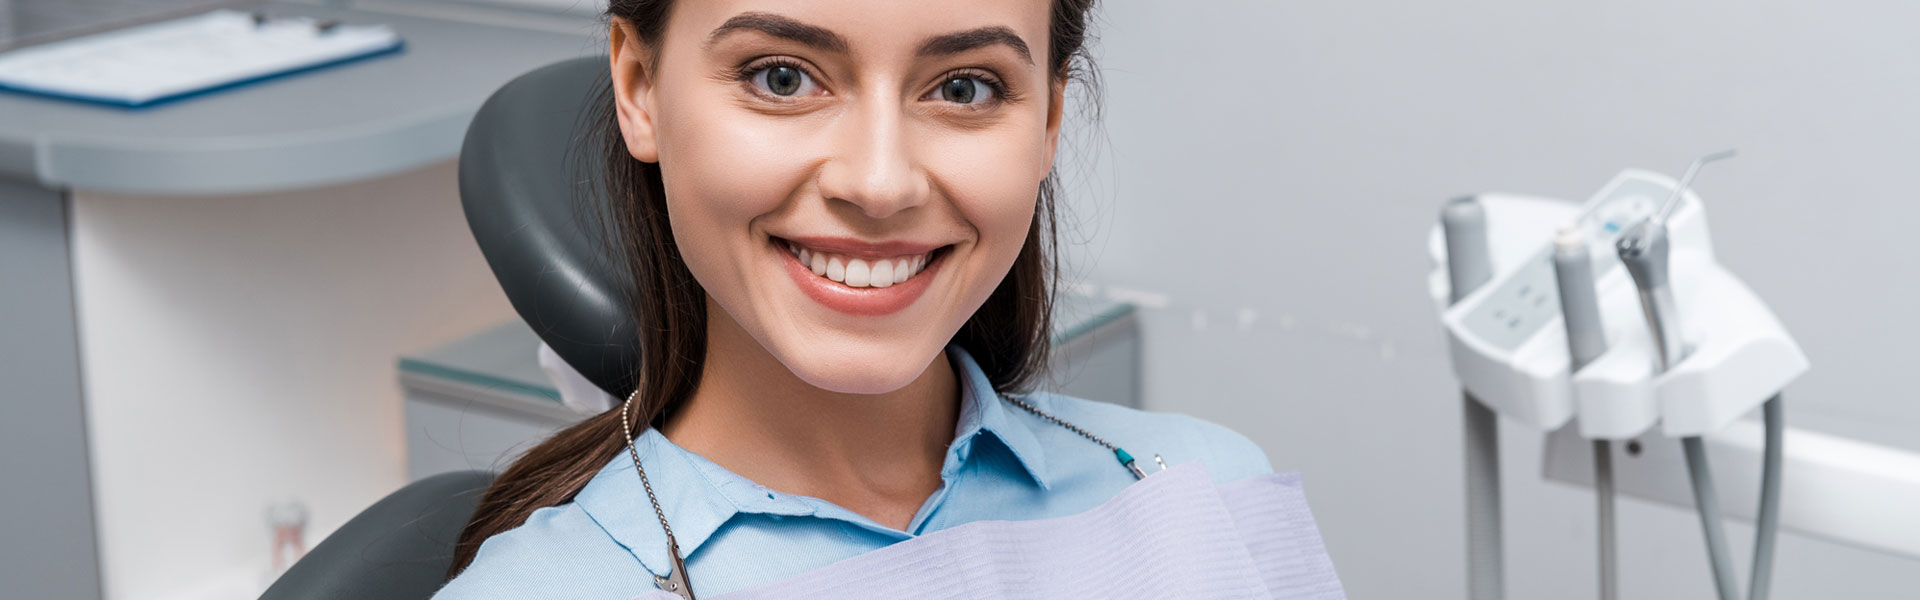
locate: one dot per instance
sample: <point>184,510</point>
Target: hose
<point>1603,492</point>
<point>1767,521</point>
<point>1707,500</point>
<point>1485,562</point>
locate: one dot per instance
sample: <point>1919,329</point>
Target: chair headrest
<point>530,204</point>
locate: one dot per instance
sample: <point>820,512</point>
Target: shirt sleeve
<point>1228,454</point>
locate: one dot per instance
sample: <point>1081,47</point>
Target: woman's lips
<point>881,282</point>
<point>859,248</point>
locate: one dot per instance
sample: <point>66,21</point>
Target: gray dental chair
<point>522,167</point>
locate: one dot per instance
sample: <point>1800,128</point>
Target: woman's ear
<point>1056,107</point>
<point>632,90</point>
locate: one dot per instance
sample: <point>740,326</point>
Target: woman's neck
<point>878,455</point>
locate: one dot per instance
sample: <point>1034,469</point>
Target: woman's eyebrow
<point>826,40</point>
<point>955,43</point>
<point>780,27</point>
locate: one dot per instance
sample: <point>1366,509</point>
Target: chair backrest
<point>397,549</point>
<point>531,186</point>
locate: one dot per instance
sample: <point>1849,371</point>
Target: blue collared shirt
<point>1004,464</point>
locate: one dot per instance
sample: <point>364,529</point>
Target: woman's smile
<point>858,277</point>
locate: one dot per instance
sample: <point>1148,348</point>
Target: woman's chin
<point>866,371</point>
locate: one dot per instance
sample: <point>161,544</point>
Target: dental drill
<point>1645,252</point>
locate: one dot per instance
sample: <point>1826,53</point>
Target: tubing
<point>1486,564</point>
<point>1767,521</point>
<point>1603,494</point>
<point>1707,501</point>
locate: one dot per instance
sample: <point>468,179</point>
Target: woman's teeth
<point>860,272</point>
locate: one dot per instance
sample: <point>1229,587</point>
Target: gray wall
<point>1271,169</point>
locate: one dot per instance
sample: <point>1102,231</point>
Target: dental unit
<point>1612,320</point>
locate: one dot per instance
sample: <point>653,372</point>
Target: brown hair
<point>1009,335</point>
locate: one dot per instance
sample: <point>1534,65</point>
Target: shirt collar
<point>982,410</point>
<point>697,496</point>
<point>703,495</point>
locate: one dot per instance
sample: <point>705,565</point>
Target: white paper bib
<point>1172,535</point>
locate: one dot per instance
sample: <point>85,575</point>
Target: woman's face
<point>848,180</point>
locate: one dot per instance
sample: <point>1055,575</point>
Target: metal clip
<point>1138,473</point>
<point>676,580</point>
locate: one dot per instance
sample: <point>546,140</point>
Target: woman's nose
<point>873,167</point>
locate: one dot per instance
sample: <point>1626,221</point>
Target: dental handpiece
<point>1644,251</point>
<point>1469,261</point>
<point>1579,303</point>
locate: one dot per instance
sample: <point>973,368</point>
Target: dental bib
<point>1173,534</point>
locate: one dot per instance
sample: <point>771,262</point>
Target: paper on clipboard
<point>153,63</point>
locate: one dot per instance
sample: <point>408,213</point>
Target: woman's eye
<point>782,80</point>
<point>965,90</point>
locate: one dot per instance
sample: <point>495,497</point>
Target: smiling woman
<point>839,215</point>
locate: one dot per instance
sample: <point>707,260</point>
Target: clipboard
<point>157,63</point>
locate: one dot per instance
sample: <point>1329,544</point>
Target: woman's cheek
<point>709,218</point>
<point>721,179</point>
<point>993,183</point>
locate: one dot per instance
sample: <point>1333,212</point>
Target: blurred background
<point>211,307</point>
